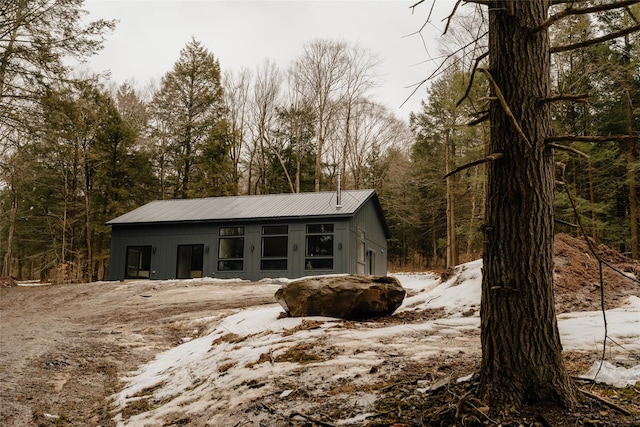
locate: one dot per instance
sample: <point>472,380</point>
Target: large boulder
<point>352,297</point>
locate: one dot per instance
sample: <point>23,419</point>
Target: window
<point>275,241</point>
<point>138,262</point>
<point>231,249</point>
<point>319,247</point>
<point>190,261</point>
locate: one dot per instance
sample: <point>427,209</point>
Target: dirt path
<point>63,348</point>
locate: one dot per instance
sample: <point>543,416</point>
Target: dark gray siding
<point>163,246</point>
<point>165,239</point>
<point>367,222</point>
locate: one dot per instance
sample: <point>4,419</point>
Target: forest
<point>78,150</point>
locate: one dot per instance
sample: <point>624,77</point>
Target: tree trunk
<point>632,154</point>
<point>298,152</point>
<point>88,274</point>
<point>6,267</point>
<point>452,245</point>
<point>521,349</point>
<point>318,168</point>
<point>592,199</point>
<point>471,233</point>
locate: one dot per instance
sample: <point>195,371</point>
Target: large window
<point>275,240</point>
<point>190,261</point>
<point>231,249</point>
<point>138,262</point>
<point>319,247</point>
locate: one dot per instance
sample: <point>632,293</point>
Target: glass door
<point>138,262</point>
<point>190,261</point>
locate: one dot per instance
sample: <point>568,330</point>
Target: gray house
<point>251,237</point>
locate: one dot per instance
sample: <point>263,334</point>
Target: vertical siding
<point>368,220</point>
<point>165,240</point>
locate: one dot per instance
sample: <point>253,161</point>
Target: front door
<point>138,262</point>
<point>190,261</point>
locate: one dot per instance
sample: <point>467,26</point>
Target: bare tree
<point>266,98</point>
<point>300,111</point>
<point>319,71</point>
<point>236,95</point>
<point>372,130</point>
<point>360,78</point>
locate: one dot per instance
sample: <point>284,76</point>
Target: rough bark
<point>521,349</point>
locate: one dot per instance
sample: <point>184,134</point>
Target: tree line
<point>78,150</point>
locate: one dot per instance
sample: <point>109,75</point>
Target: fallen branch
<point>489,158</point>
<point>312,419</point>
<point>605,402</point>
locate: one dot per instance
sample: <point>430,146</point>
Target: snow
<point>233,365</point>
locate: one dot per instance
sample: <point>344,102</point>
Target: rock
<point>351,297</point>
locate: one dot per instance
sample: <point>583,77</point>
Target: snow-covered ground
<point>251,354</point>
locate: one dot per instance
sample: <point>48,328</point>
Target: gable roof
<point>251,208</point>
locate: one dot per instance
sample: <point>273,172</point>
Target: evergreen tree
<point>294,138</point>
<point>443,142</point>
<point>35,38</point>
<point>188,110</point>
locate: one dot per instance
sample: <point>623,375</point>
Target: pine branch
<point>568,224</point>
<point>570,11</point>
<point>569,149</point>
<point>439,68</point>
<point>451,15</point>
<point>473,73</point>
<point>479,120</point>
<point>597,40</point>
<point>582,138</point>
<point>490,158</point>
<point>505,107</point>
<point>480,2</point>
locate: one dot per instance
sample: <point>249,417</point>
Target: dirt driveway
<point>63,348</point>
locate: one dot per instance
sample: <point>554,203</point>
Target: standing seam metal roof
<point>269,206</point>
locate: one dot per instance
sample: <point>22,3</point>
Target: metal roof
<point>269,206</point>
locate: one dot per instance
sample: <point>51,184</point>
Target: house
<point>251,237</point>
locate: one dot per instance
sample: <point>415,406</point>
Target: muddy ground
<point>63,348</point>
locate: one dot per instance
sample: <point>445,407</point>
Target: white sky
<point>148,38</point>
<point>190,379</point>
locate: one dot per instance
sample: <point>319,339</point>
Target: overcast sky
<point>150,34</point>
